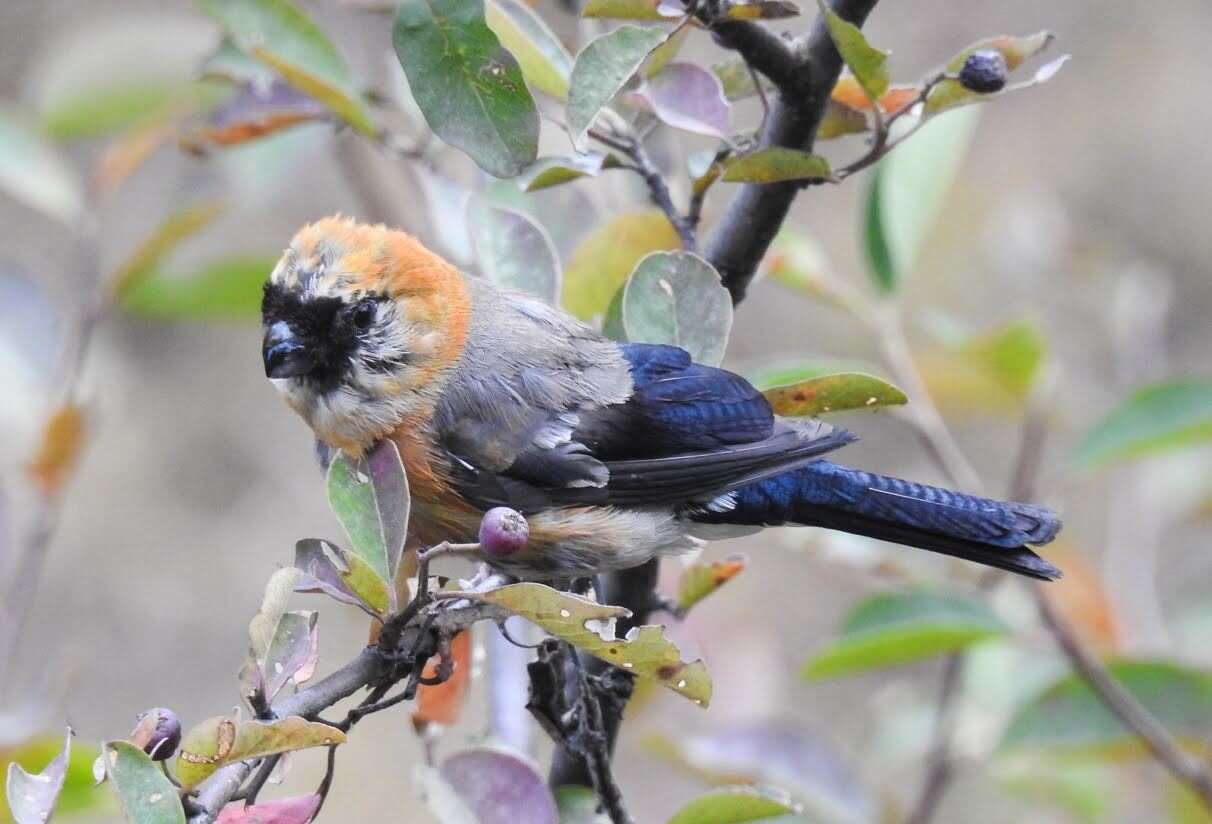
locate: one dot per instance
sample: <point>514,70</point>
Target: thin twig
<point>941,766</point>
<point>658,188</point>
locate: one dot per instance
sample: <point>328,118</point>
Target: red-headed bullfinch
<point>615,452</point>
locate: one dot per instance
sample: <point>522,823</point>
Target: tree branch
<point>757,211</point>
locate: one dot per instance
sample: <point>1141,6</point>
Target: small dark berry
<point>984,71</point>
<point>503,531</point>
<point>158,733</point>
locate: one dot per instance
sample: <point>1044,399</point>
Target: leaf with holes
<point>224,739</point>
<point>513,251</point>
<point>900,627</point>
<point>601,70</point>
<point>292,652</point>
<point>370,497</point>
<point>774,165</point>
<point>32,796</point>
<point>601,263</point>
<point>1158,418</point>
<point>33,172</point>
<point>590,626</point>
<point>339,574</point>
<point>686,97</point>
<point>224,289</point>
<point>1068,719</point>
<point>545,63</point>
<point>833,393</point>
<point>298,810</point>
<point>735,805</point>
<point>279,35</point>
<point>906,194</point>
<point>677,298</point>
<point>701,579</point>
<point>468,86</point>
<point>145,793</point>
<point>867,63</point>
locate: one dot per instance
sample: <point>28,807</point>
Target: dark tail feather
<point>940,520</point>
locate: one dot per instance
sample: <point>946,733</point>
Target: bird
<point>615,453</point>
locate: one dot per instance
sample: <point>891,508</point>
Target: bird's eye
<point>364,314</point>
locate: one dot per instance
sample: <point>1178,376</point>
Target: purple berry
<point>158,732</point>
<point>503,531</point>
<point>984,71</point>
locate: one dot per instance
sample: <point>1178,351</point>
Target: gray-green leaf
<point>677,298</point>
<point>468,86</point>
<point>601,70</point>
<point>514,251</point>
<point>1160,417</point>
<point>899,627</point>
<point>145,793</point>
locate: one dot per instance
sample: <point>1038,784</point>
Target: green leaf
<point>223,740</point>
<point>601,70</point>
<point>786,372</point>
<point>545,63</point>
<point>552,171</point>
<point>774,165</point>
<point>701,579</point>
<point>735,805</point>
<point>588,625</point>
<point>1011,355</point>
<point>468,86</point>
<point>105,111</point>
<point>226,289</point>
<point>1158,418</point>
<point>278,34</point>
<point>833,393</point>
<point>1068,719</point>
<point>514,252</point>
<point>32,797</point>
<point>601,263</point>
<point>622,9</point>
<point>146,795</point>
<point>578,805</point>
<point>34,173</point>
<point>906,193</point>
<point>868,63</point>
<point>677,298</point>
<point>171,232</point>
<point>899,627</point>
<point>371,500</point>
<point>79,792</point>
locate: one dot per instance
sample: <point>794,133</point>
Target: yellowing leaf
<point>700,580</point>
<point>833,393</point>
<point>774,165</point>
<point>545,63</point>
<point>622,9</point>
<point>223,740</point>
<point>950,93</point>
<point>62,438</point>
<point>735,805</point>
<point>590,626</point>
<point>278,34</point>
<point>167,236</point>
<point>606,257</point>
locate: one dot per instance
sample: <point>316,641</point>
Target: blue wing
<point>687,434</point>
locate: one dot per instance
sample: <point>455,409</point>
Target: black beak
<point>285,354</point>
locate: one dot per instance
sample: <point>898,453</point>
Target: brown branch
<point>658,189</point>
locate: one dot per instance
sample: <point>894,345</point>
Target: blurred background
<point>1080,212</point>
